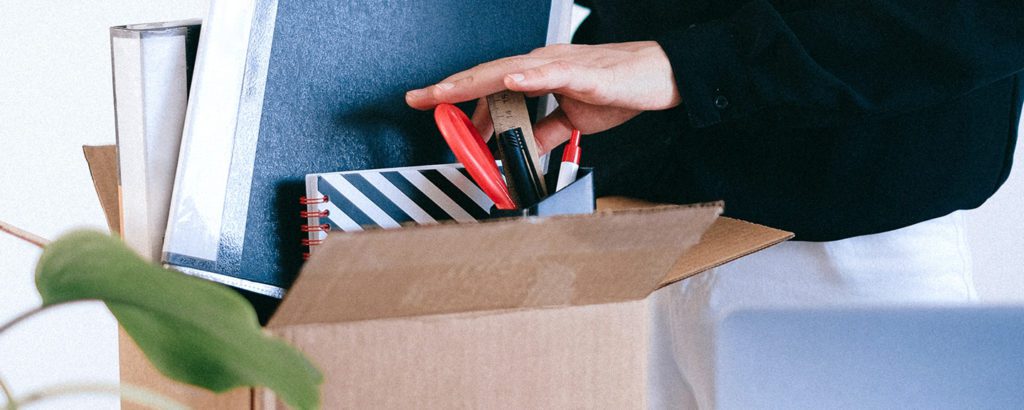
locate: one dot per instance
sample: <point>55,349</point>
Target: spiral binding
<point>307,201</point>
<point>313,228</point>
<point>315,214</point>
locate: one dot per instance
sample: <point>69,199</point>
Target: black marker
<point>520,171</point>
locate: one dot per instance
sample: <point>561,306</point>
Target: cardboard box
<point>519,313</point>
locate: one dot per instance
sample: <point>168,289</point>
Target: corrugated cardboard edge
<point>135,369</point>
<point>727,240</point>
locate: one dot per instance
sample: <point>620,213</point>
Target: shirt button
<point>721,102</point>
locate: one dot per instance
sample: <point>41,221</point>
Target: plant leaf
<point>194,331</point>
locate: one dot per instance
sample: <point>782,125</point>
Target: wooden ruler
<point>508,111</point>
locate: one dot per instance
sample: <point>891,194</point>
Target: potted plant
<point>193,331</point>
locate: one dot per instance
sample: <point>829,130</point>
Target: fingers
<point>482,119</point>
<point>557,127</point>
<point>477,82</point>
<point>592,119</point>
<point>636,75</point>
<point>586,84</point>
<point>552,131</point>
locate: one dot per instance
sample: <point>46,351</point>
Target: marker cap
<point>572,149</point>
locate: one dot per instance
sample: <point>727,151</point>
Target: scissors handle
<point>472,152</point>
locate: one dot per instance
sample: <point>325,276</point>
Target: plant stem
<point>26,315</point>
<point>23,234</point>
<point>11,404</point>
<point>133,394</point>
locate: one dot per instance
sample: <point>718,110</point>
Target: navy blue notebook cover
<point>284,88</point>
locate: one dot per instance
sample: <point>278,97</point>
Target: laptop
<point>870,358</point>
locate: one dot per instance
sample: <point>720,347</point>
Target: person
<point>861,126</point>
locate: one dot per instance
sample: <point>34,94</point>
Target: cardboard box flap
<point>728,239</point>
<point>518,263</point>
<point>102,162</point>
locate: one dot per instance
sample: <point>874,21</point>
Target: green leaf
<point>194,331</point>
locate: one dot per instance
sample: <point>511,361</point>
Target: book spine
<point>198,220</point>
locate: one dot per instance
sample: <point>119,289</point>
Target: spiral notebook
<point>390,198</point>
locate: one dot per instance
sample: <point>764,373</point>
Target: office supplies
<point>520,171</point>
<point>284,88</point>
<point>152,70</point>
<point>508,111</point>
<point>472,152</point>
<point>354,201</point>
<point>570,161</point>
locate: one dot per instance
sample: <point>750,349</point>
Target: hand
<point>597,87</point>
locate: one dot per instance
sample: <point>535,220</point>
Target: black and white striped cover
<point>391,197</point>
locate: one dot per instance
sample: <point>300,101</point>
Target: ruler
<point>508,111</point>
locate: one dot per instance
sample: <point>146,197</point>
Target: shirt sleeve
<point>840,61</point>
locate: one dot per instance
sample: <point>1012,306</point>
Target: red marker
<point>570,161</point>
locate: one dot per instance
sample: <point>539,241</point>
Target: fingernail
<point>516,77</point>
<point>414,93</point>
<point>446,86</point>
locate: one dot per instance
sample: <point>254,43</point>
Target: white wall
<point>996,235</point>
<point>55,96</point>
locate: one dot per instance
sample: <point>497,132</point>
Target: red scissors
<point>472,152</point>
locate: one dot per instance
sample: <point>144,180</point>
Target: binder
<point>284,88</point>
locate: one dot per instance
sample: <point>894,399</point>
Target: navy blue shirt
<point>827,118</point>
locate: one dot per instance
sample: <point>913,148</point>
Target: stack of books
<point>219,122</point>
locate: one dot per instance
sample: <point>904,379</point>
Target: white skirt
<point>926,263</point>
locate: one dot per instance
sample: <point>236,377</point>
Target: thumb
<point>482,119</point>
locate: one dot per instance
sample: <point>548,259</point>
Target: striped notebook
<point>389,198</point>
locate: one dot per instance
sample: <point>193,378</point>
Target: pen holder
<point>576,198</point>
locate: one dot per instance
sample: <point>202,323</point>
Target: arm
<point>840,61</point>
